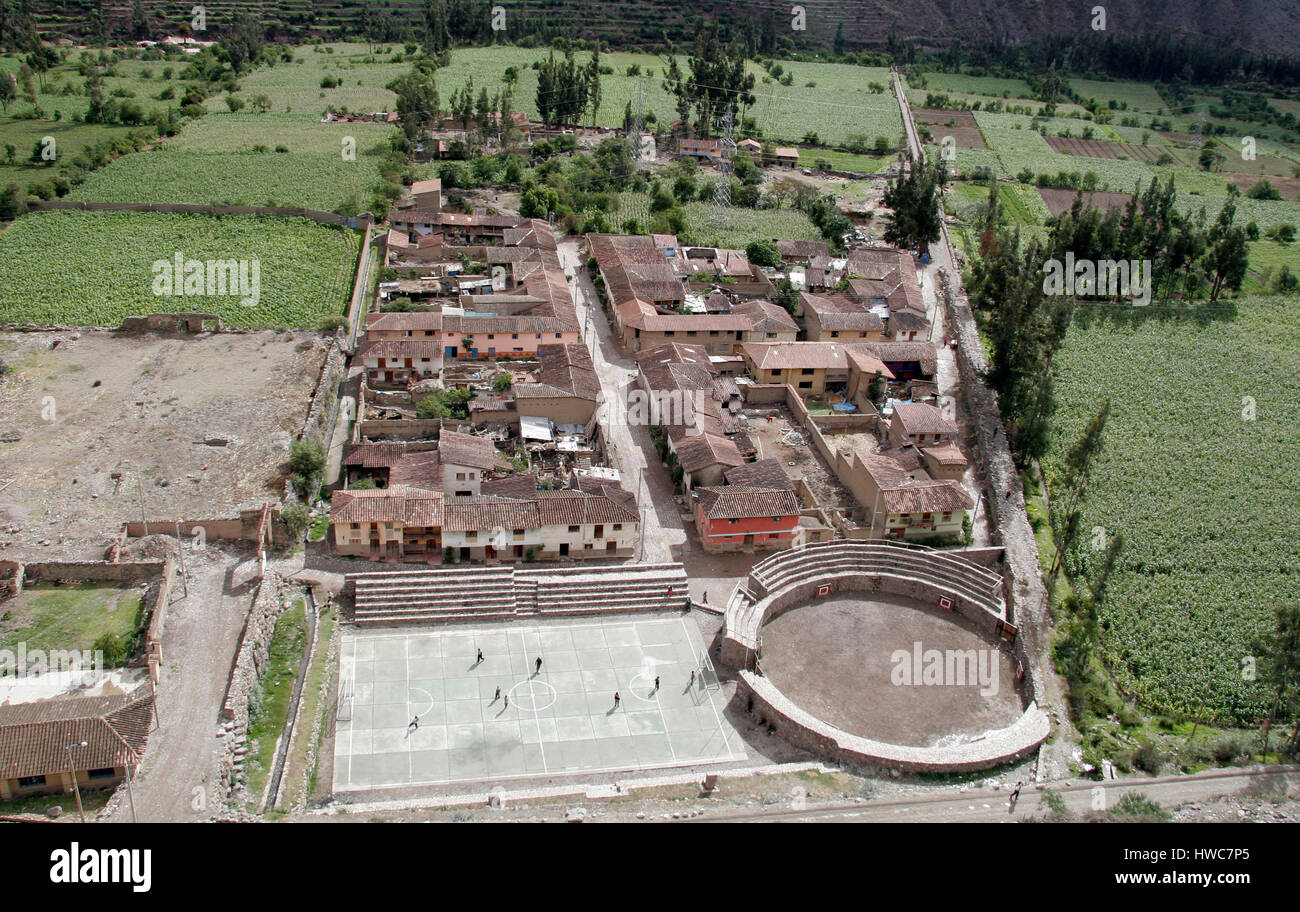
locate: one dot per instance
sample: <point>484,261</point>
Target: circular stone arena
<point>885,654</point>
<point>856,664</point>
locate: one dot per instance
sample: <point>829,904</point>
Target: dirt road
<point>177,778</point>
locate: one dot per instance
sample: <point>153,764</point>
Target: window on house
<point>618,526</point>
<point>777,372</point>
<point>29,781</point>
<point>573,528</point>
<point>460,476</point>
<point>734,522</point>
<point>519,533</point>
<point>471,536</point>
<point>807,371</point>
<point>805,384</point>
<point>835,334</point>
<point>106,772</point>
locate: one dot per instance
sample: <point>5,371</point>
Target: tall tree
<point>1280,655</point>
<point>915,220</point>
<point>593,81</point>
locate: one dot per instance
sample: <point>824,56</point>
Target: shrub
<point>1138,807</point>
<point>112,648</point>
<point>296,519</point>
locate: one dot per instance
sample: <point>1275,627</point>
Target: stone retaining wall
<point>250,659</point>
<point>735,654</point>
<point>806,731</point>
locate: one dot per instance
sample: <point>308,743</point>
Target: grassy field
<point>60,98</point>
<point>269,709</point>
<point>1202,495</point>
<point>839,103</point>
<point>313,180</point>
<point>746,224</point>
<point>844,161</point>
<point>70,618</point>
<point>93,268</point>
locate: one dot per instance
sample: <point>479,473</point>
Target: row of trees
<point>565,89</point>
<point>715,79</point>
<point>1025,319</point>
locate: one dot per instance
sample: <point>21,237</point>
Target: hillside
<point>1258,26</point>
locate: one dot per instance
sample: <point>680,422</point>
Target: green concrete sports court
<point>559,721</point>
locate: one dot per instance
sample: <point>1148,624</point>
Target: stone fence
<point>250,659</point>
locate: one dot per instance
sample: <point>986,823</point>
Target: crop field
<point>1009,139</point>
<point>226,132</point>
<point>1197,483</point>
<point>1097,148</point>
<point>990,86</point>
<point>1289,187</point>
<point>313,180</point>
<point>1135,96</point>
<point>1058,201</point>
<point>94,268</point>
<point>1266,259</point>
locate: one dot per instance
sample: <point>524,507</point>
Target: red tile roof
<point>703,450</point>
<point>34,737</point>
<point>467,450</point>
<point>746,501</point>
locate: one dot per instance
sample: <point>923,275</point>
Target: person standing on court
<point>480,656</point>
<point>539,664</point>
<point>616,699</point>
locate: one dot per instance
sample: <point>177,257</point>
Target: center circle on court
<point>533,695</point>
<point>643,684</point>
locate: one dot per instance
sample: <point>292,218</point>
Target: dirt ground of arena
<point>841,659</point>
<point>98,427</point>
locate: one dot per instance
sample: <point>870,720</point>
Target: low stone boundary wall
<point>159,577</point>
<point>325,218</point>
<point>806,731</point>
<point>250,658</point>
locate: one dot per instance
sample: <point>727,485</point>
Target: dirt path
<point>664,535</point>
<point>176,782</point>
<point>1006,516</point>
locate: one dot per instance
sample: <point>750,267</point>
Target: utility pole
<point>72,771</point>
<point>722,189</point>
<point>180,550</point>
